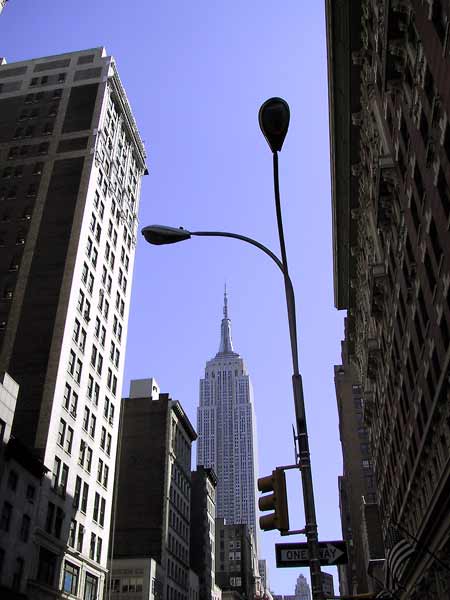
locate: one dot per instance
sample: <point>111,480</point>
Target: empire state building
<point>227,430</point>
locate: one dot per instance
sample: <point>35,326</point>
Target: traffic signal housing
<point>277,501</point>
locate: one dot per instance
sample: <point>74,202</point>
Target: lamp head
<point>161,234</point>
<point>273,118</point>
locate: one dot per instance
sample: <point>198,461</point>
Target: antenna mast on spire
<point>225,303</point>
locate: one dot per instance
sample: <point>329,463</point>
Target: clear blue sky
<point>196,73</point>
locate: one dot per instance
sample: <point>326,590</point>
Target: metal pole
<point>300,413</point>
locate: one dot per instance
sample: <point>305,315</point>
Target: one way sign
<point>297,555</point>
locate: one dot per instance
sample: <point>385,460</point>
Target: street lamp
<point>274,122</point>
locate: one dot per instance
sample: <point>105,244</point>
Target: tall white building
<point>71,161</point>
<point>226,430</point>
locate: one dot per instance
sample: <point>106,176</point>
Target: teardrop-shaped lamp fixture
<point>273,118</point>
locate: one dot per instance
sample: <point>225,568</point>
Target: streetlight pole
<point>274,121</point>
<point>274,116</point>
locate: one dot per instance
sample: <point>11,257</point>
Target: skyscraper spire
<point>226,344</point>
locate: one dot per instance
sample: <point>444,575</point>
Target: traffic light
<point>277,501</point>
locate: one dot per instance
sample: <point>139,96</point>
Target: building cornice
<point>122,98</point>
<point>342,30</point>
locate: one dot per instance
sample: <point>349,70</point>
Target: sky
<point>196,74</point>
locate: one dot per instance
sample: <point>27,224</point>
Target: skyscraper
<point>71,161</point>
<point>2,4</point>
<point>227,430</point>
<point>302,589</point>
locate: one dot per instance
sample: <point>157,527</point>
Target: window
<point>108,444</point>
<point>72,533</point>
<point>86,418</point>
<point>105,476</point>
<point>96,506</point>
<point>71,365</point>
<point>78,369</point>
<point>100,470</point>
<point>17,574</point>
<point>77,494</point>
<point>80,537</point>
<point>90,587</point>
<point>61,432</point>
<point>56,472</point>
<point>92,546</point>
<point>46,566</point>
<point>68,439</point>
<point>92,425</point>
<point>80,302</point>
<point>84,499</point>
<point>59,520</point>
<point>96,394</point>
<point>102,511</point>
<point>103,439</point>
<point>25,528</point>
<point>82,453</point>
<point>71,578</point>
<point>12,480</point>
<point>50,516</point>
<point>98,552</point>
<point>88,459</point>
<point>76,330</point>
<point>5,518</point>
<point>30,492</point>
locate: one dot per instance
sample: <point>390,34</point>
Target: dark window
<point>17,574</point>
<point>428,85</point>
<point>30,492</point>
<point>47,566</point>
<point>25,528</point>
<point>430,273</point>
<point>423,126</point>
<point>442,188</point>
<point>5,518</point>
<point>12,480</point>
<point>434,238</point>
<point>419,182</point>
<point>444,332</point>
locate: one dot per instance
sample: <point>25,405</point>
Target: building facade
<point>357,484</point>
<point>389,66</point>
<point>202,530</point>
<point>2,4</point>
<point>153,494</point>
<point>227,431</point>
<point>327,585</point>
<point>236,561</point>
<point>71,162</point>
<point>302,589</point>
<point>20,484</point>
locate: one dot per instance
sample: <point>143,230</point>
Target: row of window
<point>18,170</point>
<point>27,150</point>
<point>48,79</point>
<point>39,96</point>
<point>6,520</point>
